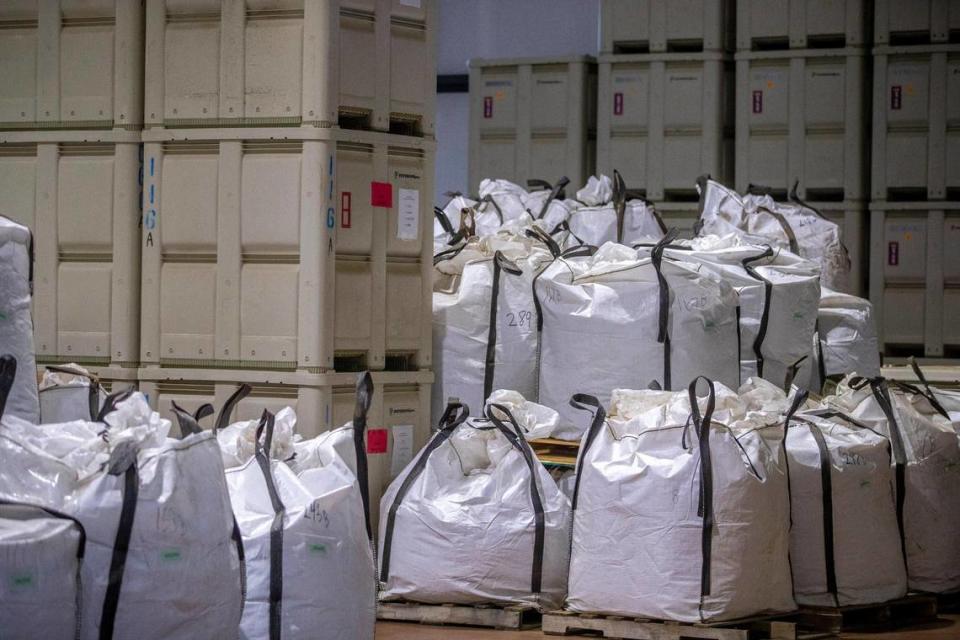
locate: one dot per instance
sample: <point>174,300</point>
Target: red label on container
<point>488,106</point>
<point>345,209</point>
<point>381,194</point>
<point>618,104</point>
<point>893,254</point>
<point>377,440</point>
<point>896,97</point>
<point>758,101</point>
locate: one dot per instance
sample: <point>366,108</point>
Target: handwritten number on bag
<point>519,319</point>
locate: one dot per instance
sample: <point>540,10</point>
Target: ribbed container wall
<point>71,110</point>
<point>532,118</point>
<point>298,249</point>
<point>663,119</point>
<point>366,64</point>
<point>915,178</point>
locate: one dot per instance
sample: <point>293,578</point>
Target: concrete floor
<point>946,628</point>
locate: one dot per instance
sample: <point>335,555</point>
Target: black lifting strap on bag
<point>364,398</point>
<point>8,373</point>
<point>81,548</point>
<point>111,402</point>
<point>705,506</point>
<point>767,295</point>
<point>262,456</point>
<point>516,438</point>
<point>881,393</point>
<point>500,264</point>
<point>826,498</point>
<point>123,461</point>
<point>663,331</point>
<point>556,191</point>
<point>223,418</point>
<point>929,392</point>
<point>190,424</point>
<point>590,403</point>
<point>455,415</point>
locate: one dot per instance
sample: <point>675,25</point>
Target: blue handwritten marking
<point>151,166</point>
<point>151,194</point>
<point>331,218</point>
<point>150,222</point>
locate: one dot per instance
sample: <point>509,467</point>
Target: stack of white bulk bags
<point>162,558</point>
<point>475,518</point>
<point>69,392</point>
<point>619,320</point>
<point>761,220</point>
<point>845,340</point>
<point>301,512</point>
<point>610,215</point>
<point>778,293</point>
<point>485,320</point>
<point>16,322</point>
<point>680,513</point>
<point>844,540</point>
<point>926,459</point>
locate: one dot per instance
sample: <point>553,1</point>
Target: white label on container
<point>411,3</point>
<point>408,218</point>
<point>402,448</point>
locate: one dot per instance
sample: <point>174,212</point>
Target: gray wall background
<point>498,29</point>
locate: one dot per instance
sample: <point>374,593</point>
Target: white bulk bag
<point>301,512</point>
<point>845,341</point>
<point>677,515</point>
<point>507,197</point>
<point>475,518</point>
<point>617,320</point>
<point>844,541</point>
<point>778,293</point>
<point>926,460</point>
<point>546,203</point>
<point>484,320</point>
<point>41,554</point>
<point>761,220</point>
<point>162,558</point>
<point>69,392</point>
<point>16,323</point>
<point>617,219</point>
<point>535,420</point>
<point>463,217</point>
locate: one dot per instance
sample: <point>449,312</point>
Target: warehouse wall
<point>498,29</point>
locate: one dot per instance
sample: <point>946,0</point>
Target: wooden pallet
<point>567,623</point>
<point>556,452</point>
<point>907,611</point>
<point>491,616</point>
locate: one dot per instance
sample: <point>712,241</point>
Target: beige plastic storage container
<point>916,123</point>
<point>664,119</point>
<point>908,22</point>
<point>269,252</point>
<point>644,26</point>
<point>801,115</point>
<point>79,192</point>
<point>531,118</point>
<point>398,424</point>
<point>71,64</point>
<point>915,276</point>
<point>368,63</point>
<point>802,24</point>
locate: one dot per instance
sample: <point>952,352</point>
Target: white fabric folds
<point>619,320</point>
<point>475,518</point>
<point>16,321</point>
<point>680,512</point>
